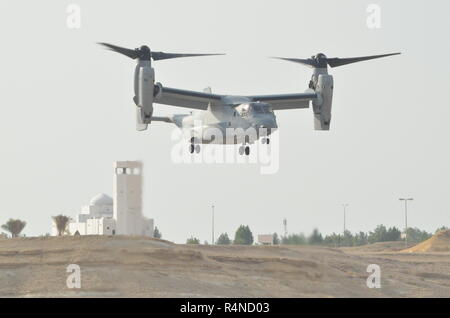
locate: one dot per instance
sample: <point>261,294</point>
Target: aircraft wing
<point>185,98</point>
<point>286,101</point>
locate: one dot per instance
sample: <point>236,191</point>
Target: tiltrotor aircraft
<point>225,113</point>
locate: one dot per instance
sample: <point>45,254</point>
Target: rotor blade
<point>164,56</point>
<point>307,62</point>
<point>127,52</point>
<point>334,62</point>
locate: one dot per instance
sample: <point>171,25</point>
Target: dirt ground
<point>142,267</point>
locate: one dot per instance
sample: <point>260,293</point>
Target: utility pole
<point>285,227</point>
<point>212,241</point>
<point>406,218</point>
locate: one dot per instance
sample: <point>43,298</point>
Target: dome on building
<point>101,199</point>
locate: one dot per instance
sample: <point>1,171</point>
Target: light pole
<point>345,205</point>
<point>212,242</point>
<point>406,218</point>
<point>341,242</point>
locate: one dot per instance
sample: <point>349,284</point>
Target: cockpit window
<point>257,108</point>
<point>267,108</point>
<point>261,108</point>
<point>243,109</point>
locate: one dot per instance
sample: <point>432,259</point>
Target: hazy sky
<point>67,112</point>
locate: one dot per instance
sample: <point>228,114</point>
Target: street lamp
<point>406,218</point>
<point>345,205</point>
<point>212,241</point>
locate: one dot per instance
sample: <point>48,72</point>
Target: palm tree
<point>14,227</point>
<point>61,222</point>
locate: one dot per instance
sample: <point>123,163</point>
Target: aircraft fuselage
<point>229,124</point>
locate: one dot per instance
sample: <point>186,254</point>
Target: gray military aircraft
<point>227,119</point>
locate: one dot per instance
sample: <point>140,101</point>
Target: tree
<point>315,238</point>
<point>243,236</point>
<point>416,236</point>
<point>223,239</point>
<point>14,227</point>
<point>275,239</point>
<point>61,222</point>
<point>294,239</point>
<point>442,228</point>
<point>393,234</point>
<point>192,240</point>
<point>333,240</point>
<point>360,238</point>
<point>347,238</point>
<point>378,235</point>
<point>156,233</point>
<point>382,234</point>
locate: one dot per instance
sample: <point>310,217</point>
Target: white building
<point>265,239</point>
<point>121,215</point>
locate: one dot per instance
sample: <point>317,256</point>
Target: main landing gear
<point>194,147</point>
<point>265,140</point>
<point>244,149</point>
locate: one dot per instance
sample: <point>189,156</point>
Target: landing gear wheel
<point>263,140</point>
<point>247,150</point>
<point>197,148</point>
<point>241,150</point>
<point>191,148</point>
<point>267,141</point>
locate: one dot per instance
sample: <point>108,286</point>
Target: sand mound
<point>440,242</point>
<point>121,266</point>
<point>378,247</point>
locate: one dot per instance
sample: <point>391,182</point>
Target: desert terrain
<point>118,266</point>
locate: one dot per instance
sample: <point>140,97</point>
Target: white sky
<point>67,112</point>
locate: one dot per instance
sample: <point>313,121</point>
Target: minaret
<point>127,191</point>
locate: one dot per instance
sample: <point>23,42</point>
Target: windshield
<point>267,108</point>
<point>257,108</point>
<point>261,108</point>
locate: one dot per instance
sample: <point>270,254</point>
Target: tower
<point>127,191</point>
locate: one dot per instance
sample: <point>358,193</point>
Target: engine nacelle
<point>322,105</point>
<point>144,83</point>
